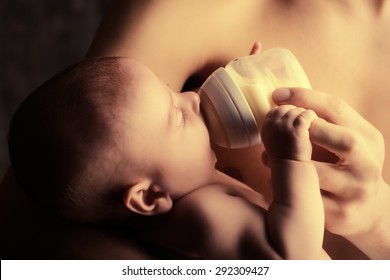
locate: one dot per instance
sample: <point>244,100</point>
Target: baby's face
<point>165,139</point>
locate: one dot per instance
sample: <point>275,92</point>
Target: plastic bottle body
<point>236,99</point>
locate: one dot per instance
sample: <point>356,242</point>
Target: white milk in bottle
<point>235,99</point>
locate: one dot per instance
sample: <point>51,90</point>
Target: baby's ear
<point>147,199</point>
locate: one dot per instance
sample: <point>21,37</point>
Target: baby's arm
<point>296,215</point>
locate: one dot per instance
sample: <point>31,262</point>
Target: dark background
<point>39,38</point>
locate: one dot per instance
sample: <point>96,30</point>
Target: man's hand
<point>353,186</point>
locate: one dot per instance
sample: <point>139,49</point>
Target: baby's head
<point>106,138</point>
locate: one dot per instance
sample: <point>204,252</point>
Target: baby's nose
<point>194,100</point>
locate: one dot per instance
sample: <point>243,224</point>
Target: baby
<point>106,141</point>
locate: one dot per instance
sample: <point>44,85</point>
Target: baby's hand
<point>285,133</point>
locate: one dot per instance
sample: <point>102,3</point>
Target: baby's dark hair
<point>61,140</point>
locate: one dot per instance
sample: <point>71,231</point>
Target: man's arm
<point>355,195</point>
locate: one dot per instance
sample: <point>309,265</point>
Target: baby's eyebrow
<point>172,105</point>
<point>162,80</point>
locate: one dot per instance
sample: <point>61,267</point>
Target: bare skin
<point>172,177</point>
<point>304,27</point>
<point>339,43</point>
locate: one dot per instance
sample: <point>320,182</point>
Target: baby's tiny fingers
<point>310,115</point>
<point>279,112</point>
<point>304,119</point>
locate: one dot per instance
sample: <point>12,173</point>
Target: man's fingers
<point>333,179</point>
<point>334,138</point>
<point>326,106</point>
<point>332,211</point>
<point>256,48</point>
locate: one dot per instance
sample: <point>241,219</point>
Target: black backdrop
<point>39,38</point>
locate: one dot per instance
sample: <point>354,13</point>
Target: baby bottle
<point>235,99</point>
